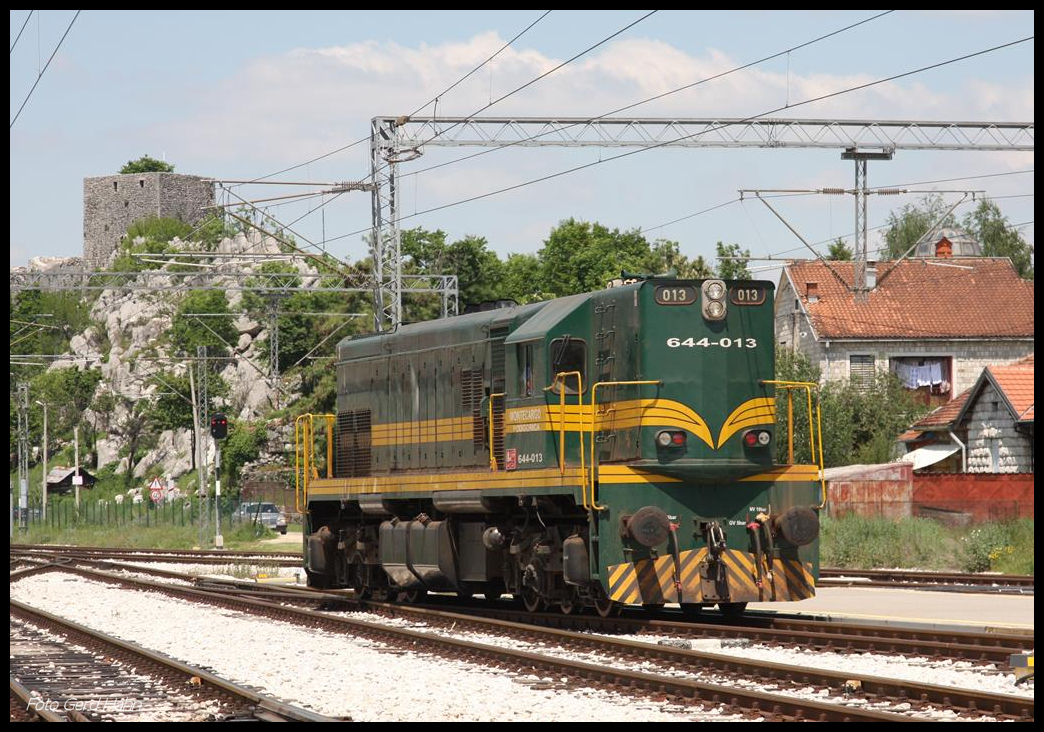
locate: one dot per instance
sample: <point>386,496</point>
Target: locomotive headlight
<point>757,438</point>
<point>714,300</point>
<point>663,439</point>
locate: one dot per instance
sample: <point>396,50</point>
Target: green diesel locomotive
<point>606,449</point>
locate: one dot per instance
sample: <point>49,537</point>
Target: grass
<point>245,537</point>
<point>915,543</point>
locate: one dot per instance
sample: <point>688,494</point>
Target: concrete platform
<point>916,607</point>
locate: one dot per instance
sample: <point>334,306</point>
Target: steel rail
<point>772,706</point>
<point>268,705</point>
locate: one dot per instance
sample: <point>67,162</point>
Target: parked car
<point>267,514</point>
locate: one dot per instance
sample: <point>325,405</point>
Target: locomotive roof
<point>372,344</point>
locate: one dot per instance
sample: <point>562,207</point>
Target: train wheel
<point>570,604</point>
<point>358,579</point>
<point>532,600</point>
<point>413,596</point>
<point>732,610</point>
<point>607,608</point>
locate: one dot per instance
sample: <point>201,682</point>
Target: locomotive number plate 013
<point>746,295</point>
<point>677,295</point>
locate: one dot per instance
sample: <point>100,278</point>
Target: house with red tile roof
<point>986,429</point>
<point>934,322</point>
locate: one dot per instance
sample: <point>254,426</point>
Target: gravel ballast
<point>332,674</point>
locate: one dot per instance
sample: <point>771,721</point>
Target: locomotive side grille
<point>497,384</point>
<point>471,403</point>
<point>498,430</point>
<point>353,444</point>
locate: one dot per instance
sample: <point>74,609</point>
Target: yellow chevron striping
<point>751,412</point>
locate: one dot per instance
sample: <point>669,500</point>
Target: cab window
<point>568,354</point>
<point>526,366</point>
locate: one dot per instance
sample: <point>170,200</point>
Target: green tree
<point>243,445</point>
<point>145,164</point>
<point>731,268</point>
<point>68,393</point>
<point>579,256</point>
<point>913,221</point>
<point>479,271</point>
<point>218,333</point>
<point>998,238</point>
<point>859,422</point>
<point>521,279</point>
<point>839,251</point>
<point>665,256</point>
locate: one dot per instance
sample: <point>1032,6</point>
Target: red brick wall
<point>979,496</point>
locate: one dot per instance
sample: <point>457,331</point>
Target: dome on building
<point>961,244</point>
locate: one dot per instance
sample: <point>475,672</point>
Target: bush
<point>145,164</point>
<point>858,542</point>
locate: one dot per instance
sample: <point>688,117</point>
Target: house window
<point>861,370</point>
<point>929,377</point>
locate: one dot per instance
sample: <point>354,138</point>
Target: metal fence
<point>62,513</point>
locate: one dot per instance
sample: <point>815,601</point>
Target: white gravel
<point>960,674</point>
<point>878,665</point>
<point>233,569</point>
<point>333,674</point>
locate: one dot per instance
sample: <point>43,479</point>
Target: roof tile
<point>919,300</point>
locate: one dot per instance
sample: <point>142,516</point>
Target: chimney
<point>871,277</point>
<point>943,248</point>
<point>812,291</point>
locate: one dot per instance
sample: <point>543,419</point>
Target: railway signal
<point>218,426</point>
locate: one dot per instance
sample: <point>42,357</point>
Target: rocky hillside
<point>130,342</point>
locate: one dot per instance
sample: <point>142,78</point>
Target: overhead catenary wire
<point>649,99</point>
<point>44,69</point>
<point>529,83</point>
<point>430,101</point>
<point>22,29</point>
<point>656,146</point>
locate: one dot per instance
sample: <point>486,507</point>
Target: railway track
<point>74,673</point>
<point>871,692</point>
<point>909,579</point>
<point>59,548</point>
<point>847,637</point>
<point>160,556</point>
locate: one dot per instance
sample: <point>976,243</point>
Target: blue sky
<point>243,94</point>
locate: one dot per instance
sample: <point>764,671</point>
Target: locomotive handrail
<point>562,421</point>
<point>304,446</point>
<point>594,464</point>
<point>815,430</point>
<point>492,447</point>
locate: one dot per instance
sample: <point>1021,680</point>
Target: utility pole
<point>23,456</point>
<point>219,542</point>
<point>219,431</point>
<point>43,492</point>
<point>197,443</point>
<point>77,479</point>
<point>203,409</point>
